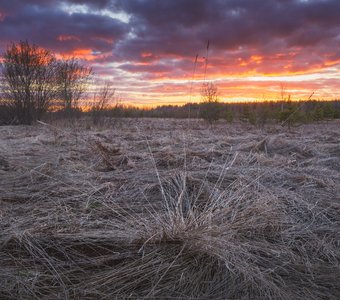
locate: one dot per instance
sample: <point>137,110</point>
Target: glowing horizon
<point>155,52</point>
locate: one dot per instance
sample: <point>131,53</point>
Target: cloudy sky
<point>148,48</point>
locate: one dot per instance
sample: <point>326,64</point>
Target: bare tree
<point>210,109</point>
<point>72,80</point>
<point>28,80</point>
<point>209,92</point>
<point>101,100</point>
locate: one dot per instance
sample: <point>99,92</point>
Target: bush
<point>29,80</point>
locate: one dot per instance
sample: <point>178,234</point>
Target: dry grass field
<point>169,209</point>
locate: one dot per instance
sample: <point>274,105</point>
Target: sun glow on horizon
<point>162,52</point>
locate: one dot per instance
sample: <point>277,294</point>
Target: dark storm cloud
<point>47,25</point>
<point>158,29</point>
<point>13,6</point>
<point>170,27</point>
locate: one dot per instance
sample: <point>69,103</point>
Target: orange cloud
<point>63,38</point>
<point>332,63</point>
<point>256,59</point>
<point>146,54</point>
<point>84,54</point>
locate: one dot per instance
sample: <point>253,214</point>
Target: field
<point>146,208</point>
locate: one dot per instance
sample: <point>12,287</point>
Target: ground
<point>176,208</point>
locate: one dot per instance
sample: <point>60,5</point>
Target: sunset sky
<point>148,48</point>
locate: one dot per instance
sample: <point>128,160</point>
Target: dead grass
<point>169,208</point>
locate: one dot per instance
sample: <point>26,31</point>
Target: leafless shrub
<point>209,93</point>
<point>28,80</point>
<point>101,101</point>
<point>210,110</point>
<point>72,81</point>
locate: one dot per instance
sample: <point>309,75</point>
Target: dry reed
<point>229,217</point>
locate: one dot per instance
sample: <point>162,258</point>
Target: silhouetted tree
<point>210,106</point>
<point>28,81</point>
<point>101,100</point>
<point>209,93</point>
<point>72,81</point>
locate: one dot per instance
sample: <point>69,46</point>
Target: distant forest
<point>259,113</point>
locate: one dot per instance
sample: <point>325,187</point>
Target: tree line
<point>287,113</point>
